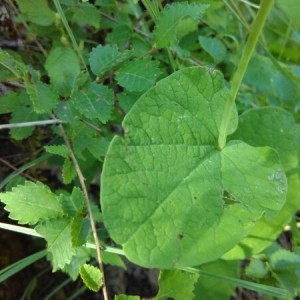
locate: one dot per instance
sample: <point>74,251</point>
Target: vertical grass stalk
<point>237,78</point>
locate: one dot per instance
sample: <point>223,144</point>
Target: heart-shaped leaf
<point>169,195</point>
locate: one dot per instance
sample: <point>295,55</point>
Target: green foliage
<point>176,284</point>
<point>138,75</point>
<point>105,58</point>
<point>175,21</point>
<point>63,68</point>
<point>91,276</point>
<point>37,12</point>
<point>144,93</point>
<point>154,173</point>
<point>31,203</point>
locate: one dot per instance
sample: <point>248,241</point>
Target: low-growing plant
<point>187,115</point>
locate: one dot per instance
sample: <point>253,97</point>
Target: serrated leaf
<point>166,195</point>
<point>57,233</point>
<point>276,128</point>
<point>104,58</point>
<point>170,25</point>
<point>138,75</point>
<point>176,284</point>
<point>91,276</point>
<point>36,11</point>
<point>80,229</point>
<point>95,101</point>
<point>11,64</point>
<point>63,78</point>
<point>81,255</point>
<point>22,114</point>
<point>61,150</point>
<point>31,203</point>
<point>73,204</point>
<point>42,96</point>
<point>68,171</point>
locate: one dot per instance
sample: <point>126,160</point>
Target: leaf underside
<point>169,195</point>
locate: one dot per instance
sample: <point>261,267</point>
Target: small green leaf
<point>63,78</point>
<point>37,11</point>
<point>82,254</point>
<point>15,67</point>
<point>42,96</point>
<point>22,114</point>
<point>31,203</point>
<point>127,100</point>
<point>9,103</point>
<point>284,260</point>
<point>86,14</point>
<point>138,75</point>
<point>176,284</point>
<point>105,58</point>
<point>73,204</point>
<point>166,195</point>
<point>91,276</point>
<point>95,101</point>
<point>171,24</point>
<point>210,288</point>
<point>256,269</point>
<point>68,171</point>
<point>57,233</point>
<point>80,229</point>
<point>61,150</point>
<point>120,35</point>
<point>113,259</point>
<point>214,47</point>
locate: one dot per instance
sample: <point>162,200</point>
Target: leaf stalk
<point>237,78</point>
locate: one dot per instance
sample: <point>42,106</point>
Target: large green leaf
<point>276,128</point>
<point>167,189</point>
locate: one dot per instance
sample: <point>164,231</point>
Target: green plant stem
<point>89,209</point>
<point>70,33</point>
<point>236,81</point>
<point>152,8</point>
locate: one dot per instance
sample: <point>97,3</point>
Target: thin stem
<point>70,33</point>
<point>236,81</point>
<point>152,8</point>
<point>33,123</point>
<point>89,209</point>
